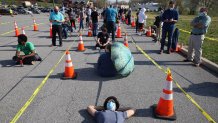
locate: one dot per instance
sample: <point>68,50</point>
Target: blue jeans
<point>81,24</point>
<point>95,29</point>
<point>166,31</point>
<point>111,28</point>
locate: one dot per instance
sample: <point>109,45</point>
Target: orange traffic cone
<point>119,31</point>
<point>148,33</point>
<point>90,32</point>
<point>35,27</point>
<point>133,22</point>
<point>179,47</point>
<point>126,41</point>
<point>165,109</point>
<point>23,31</point>
<point>16,30</point>
<point>69,72</point>
<point>50,30</point>
<point>81,44</point>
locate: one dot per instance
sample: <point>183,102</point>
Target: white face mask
<point>201,14</point>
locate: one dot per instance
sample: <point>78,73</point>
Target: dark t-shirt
<point>103,37</point>
<point>110,116</point>
<point>94,16</point>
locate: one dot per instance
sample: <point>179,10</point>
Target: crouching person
<point>110,112</point>
<point>30,56</point>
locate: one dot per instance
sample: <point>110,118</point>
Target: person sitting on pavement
<point>110,112</point>
<point>102,39</point>
<point>66,26</point>
<point>30,56</point>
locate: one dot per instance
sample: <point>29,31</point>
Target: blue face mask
<point>111,106</point>
<point>201,14</point>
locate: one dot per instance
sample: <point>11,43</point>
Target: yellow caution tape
<point>35,93</point>
<point>208,117</point>
<point>212,39</point>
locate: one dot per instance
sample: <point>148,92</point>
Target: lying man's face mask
<point>111,105</point>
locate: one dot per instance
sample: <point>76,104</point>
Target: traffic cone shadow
<point>69,72</point>
<point>165,107</point>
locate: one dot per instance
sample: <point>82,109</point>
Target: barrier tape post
<point>207,116</point>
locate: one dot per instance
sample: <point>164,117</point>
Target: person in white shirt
<point>141,19</point>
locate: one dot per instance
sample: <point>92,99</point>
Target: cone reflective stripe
<point>165,107</point>
<point>35,27</point>
<point>50,30</point>
<point>119,31</point>
<point>81,44</point>
<point>69,72</point>
<point>126,41</point>
<point>23,31</point>
<point>16,30</point>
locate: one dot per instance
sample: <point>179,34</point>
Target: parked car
<point>6,12</point>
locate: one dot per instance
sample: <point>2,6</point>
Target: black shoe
<point>60,45</point>
<point>168,51</point>
<point>186,60</point>
<point>17,63</point>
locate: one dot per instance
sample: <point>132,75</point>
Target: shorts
<point>141,25</point>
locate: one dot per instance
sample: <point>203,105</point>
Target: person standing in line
<point>57,19</point>
<point>141,20</point>
<point>94,17</point>
<point>200,26</point>
<point>111,15</point>
<point>137,19</point>
<point>169,18</point>
<point>129,14</point>
<point>82,17</point>
<point>72,17</point>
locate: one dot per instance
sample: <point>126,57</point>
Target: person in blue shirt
<point>110,112</point>
<point>111,15</point>
<point>200,26</point>
<point>56,18</point>
<point>169,18</point>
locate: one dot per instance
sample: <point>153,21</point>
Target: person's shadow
<point>202,89</point>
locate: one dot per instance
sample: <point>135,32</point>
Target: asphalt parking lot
<point>65,101</point>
